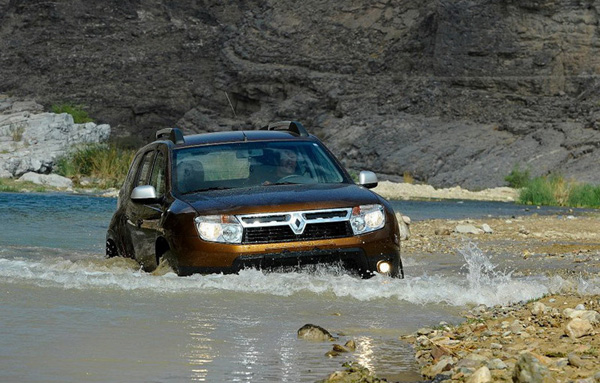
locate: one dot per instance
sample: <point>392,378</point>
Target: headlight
<point>366,218</point>
<point>219,228</point>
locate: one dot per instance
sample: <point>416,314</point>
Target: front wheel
<point>111,249</point>
<point>167,262</point>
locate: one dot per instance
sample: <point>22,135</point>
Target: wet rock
<point>529,369</point>
<point>467,229</point>
<point>524,231</point>
<point>445,364</point>
<point>516,327</point>
<point>482,375</point>
<point>539,308</point>
<point>439,351</point>
<point>578,328</point>
<point>314,332</point>
<point>353,373</point>
<point>575,360</point>
<point>487,229</point>
<point>589,315</point>
<point>53,180</point>
<point>473,361</point>
<point>348,347</point>
<point>404,226</point>
<point>497,364</point>
<point>442,231</point>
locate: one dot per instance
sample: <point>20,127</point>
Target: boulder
<point>314,332</point>
<point>53,180</point>
<point>482,375</point>
<point>487,229</point>
<point>529,369</point>
<point>592,316</point>
<point>539,309</point>
<point>578,328</point>
<point>467,229</point>
<point>404,225</point>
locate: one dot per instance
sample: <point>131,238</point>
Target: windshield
<point>249,164</point>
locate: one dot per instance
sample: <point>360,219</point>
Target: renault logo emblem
<point>297,223</point>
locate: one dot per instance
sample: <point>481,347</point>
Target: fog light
<point>384,267</point>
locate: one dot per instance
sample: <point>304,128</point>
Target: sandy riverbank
<point>403,191</point>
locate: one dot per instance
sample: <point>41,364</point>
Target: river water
<point>70,315</point>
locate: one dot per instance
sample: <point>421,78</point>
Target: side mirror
<point>144,194</point>
<point>367,179</point>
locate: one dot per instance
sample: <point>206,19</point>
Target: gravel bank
<point>554,339</point>
<point>403,191</point>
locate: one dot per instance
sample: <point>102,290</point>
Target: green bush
<point>518,178</point>
<point>106,163</point>
<point>538,191</point>
<point>80,116</point>
<point>555,190</point>
<point>584,195</point>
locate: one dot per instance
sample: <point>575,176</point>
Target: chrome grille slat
<point>296,225</point>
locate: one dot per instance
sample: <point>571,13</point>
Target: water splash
<point>481,283</point>
<point>481,272</point>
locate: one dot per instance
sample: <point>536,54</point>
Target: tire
<point>111,249</point>
<point>171,261</point>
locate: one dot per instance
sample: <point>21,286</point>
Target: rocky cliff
<point>454,92</point>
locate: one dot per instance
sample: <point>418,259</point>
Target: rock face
<point>30,141</point>
<point>452,92</point>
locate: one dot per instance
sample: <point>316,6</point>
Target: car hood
<point>280,198</point>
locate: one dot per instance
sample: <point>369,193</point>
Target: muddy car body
<point>221,202</point>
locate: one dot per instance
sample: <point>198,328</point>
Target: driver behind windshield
<point>287,163</point>
<point>283,164</point>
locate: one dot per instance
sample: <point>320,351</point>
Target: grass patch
<point>106,164</point>
<point>555,190</point>
<point>79,115</point>
<point>9,185</point>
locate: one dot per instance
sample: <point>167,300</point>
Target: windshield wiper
<point>285,183</point>
<point>208,189</point>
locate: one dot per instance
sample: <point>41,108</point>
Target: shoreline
<point>386,189</point>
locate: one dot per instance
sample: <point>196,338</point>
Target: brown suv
<point>220,202</point>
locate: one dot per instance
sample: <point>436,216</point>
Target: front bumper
<point>351,259</point>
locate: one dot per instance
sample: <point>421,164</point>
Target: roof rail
<point>290,126</point>
<point>173,134</point>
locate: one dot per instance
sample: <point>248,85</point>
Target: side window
<point>158,174</point>
<point>132,171</point>
<point>143,174</point>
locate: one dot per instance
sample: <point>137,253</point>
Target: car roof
<point>238,136</point>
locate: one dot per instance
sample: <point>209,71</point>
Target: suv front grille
<point>296,226</point>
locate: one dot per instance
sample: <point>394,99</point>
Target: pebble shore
<point>554,339</point>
